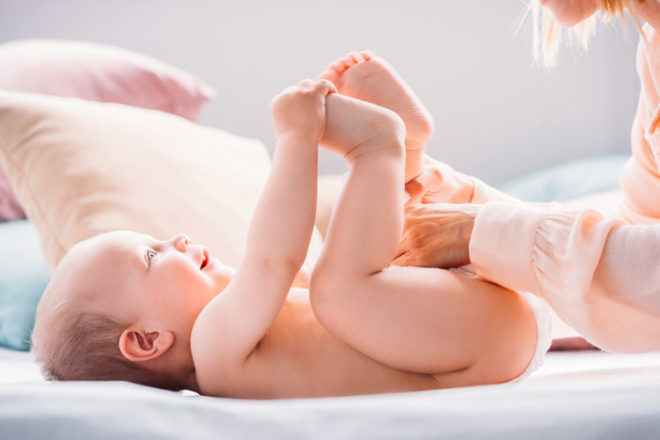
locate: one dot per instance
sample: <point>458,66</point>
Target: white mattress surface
<point>573,395</point>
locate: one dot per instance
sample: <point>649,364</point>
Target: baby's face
<point>138,279</point>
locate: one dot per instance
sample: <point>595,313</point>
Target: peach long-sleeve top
<point>601,276</point>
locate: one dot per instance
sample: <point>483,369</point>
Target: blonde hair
<point>70,343</point>
<point>547,33</point>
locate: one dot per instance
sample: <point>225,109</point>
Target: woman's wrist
<point>466,235</point>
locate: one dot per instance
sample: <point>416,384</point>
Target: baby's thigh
<point>432,321</point>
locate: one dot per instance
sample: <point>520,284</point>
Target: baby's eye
<point>150,255</point>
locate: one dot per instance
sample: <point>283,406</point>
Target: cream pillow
<point>95,72</point>
<point>80,168</point>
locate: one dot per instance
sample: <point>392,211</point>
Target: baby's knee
<point>319,287</point>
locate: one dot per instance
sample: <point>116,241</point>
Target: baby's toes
<point>331,75</point>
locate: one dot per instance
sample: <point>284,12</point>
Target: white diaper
<point>544,329</point>
<point>543,324</point>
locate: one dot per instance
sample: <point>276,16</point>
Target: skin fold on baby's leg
<point>433,321</point>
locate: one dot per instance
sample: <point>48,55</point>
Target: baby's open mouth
<point>205,259</point>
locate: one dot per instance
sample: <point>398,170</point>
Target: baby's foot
<point>355,127</point>
<point>365,76</point>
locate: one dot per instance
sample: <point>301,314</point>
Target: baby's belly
<point>299,358</point>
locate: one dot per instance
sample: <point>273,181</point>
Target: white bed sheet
<point>574,395</point>
<point>18,366</point>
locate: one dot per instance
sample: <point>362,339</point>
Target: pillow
<point>567,181</point>
<point>23,277</point>
<point>97,73</point>
<point>101,73</point>
<point>80,168</point>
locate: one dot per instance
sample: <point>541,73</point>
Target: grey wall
<point>496,115</point>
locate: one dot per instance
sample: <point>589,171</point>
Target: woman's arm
<point>600,277</point>
<point>440,214</point>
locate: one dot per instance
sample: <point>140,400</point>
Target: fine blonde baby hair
<point>547,33</point>
<point>70,343</point>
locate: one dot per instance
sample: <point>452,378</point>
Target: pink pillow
<point>96,73</point>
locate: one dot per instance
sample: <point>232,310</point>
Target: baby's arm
<point>232,325</point>
<point>414,319</point>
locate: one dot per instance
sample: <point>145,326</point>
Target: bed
<point>580,394</point>
<point>587,394</point>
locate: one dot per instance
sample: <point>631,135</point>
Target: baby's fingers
<point>323,86</point>
<point>306,84</point>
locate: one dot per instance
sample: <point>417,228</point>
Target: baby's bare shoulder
<point>285,340</point>
<point>216,374</point>
<point>206,357</point>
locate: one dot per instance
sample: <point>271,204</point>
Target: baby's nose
<point>181,242</point>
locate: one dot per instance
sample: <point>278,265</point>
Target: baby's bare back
<point>298,357</point>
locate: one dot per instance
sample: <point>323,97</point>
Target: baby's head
<point>121,306</point>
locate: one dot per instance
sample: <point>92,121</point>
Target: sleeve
<point>629,266</point>
<point>600,276</point>
<point>553,253</point>
<point>440,183</point>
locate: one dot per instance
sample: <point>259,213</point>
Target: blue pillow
<point>569,181</point>
<point>23,278</point>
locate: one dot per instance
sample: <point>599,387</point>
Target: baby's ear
<point>137,344</point>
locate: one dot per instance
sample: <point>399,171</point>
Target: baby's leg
<point>414,319</point>
<point>367,77</point>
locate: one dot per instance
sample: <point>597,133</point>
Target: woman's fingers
<point>404,260</point>
<point>436,235</point>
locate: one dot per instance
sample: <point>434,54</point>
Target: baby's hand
<point>571,12</point>
<point>300,110</point>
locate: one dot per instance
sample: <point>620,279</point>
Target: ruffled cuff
<point>502,245</point>
<point>484,193</point>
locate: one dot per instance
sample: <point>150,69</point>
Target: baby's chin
<point>223,274</point>
<point>228,272</point>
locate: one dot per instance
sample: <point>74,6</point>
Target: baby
<point>125,306</point>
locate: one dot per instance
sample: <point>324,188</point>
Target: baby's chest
<point>289,359</point>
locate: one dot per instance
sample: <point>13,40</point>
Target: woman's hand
<point>436,235</point>
<point>571,12</point>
